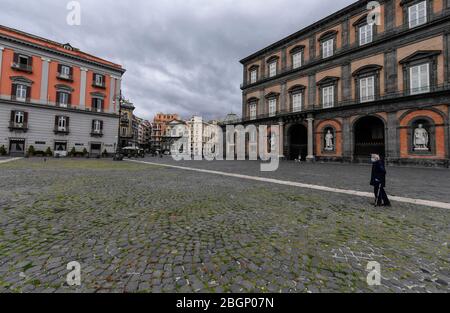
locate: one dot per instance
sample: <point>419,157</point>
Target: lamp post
<point>118,155</point>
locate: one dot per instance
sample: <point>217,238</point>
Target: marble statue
<point>421,139</point>
<point>329,141</point>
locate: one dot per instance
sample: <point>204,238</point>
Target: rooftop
<point>66,48</point>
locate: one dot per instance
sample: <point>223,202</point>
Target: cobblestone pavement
<point>419,183</point>
<point>141,228</point>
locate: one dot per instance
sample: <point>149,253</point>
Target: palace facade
<point>56,97</point>
<point>346,87</point>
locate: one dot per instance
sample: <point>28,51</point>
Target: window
<point>272,107</point>
<point>273,69</point>
<point>97,105</point>
<point>420,78</point>
<point>63,99</point>
<point>252,109</point>
<point>417,14</point>
<point>365,34</point>
<point>65,71</point>
<point>62,123</point>
<point>97,126</point>
<point>23,60</point>
<point>253,76</point>
<point>367,89</point>
<point>297,102</point>
<point>99,80</point>
<point>297,60</point>
<point>21,93</point>
<point>19,117</point>
<point>328,97</point>
<point>327,48</point>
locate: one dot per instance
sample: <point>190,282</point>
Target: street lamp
<point>118,155</point>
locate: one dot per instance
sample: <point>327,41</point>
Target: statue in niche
<point>421,139</point>
<point>329,141</point>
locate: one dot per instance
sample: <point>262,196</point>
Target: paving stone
<point>152,229</point>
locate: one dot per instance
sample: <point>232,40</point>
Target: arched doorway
<point>298,142</point>
<point>369,136</point>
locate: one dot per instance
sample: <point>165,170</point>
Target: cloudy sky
<point>181,56</point>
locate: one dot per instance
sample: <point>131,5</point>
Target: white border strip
<point>10,160</point>
<point>435,204</point>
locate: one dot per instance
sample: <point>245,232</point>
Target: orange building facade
<point>55,96</point>
<point>346,87</point>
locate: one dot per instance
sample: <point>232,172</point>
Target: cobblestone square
<point>146,228</point>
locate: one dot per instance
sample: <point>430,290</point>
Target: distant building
<point>159,125</point>
<point>175,130</point>
<point>126,124</point>
<point>144,134</point>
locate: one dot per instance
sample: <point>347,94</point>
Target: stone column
<point>392,142</point>
<point>283,59</point>
<point>345,33</point>
<point>447,56</point>
<point>389,17</point>
<point>312,91</point>
<point>281,139</point>
<point>390,71</point>
<point>1,61</point>
<point>346,82</point>
<point>44,80</point>
<point>310,157</point>
<point>283,97</point>
<point>112,94</point>
<point>347,140</point>
<point>262,103</point>
<point>83,82</point>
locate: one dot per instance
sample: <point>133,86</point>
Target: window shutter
<point>59,68</point>
<point>30,61</point>
<point>93,125</point>
<point>25,117</point>
<point>101,125</point>
<point>28,94</point>
<point>58,97</point>
<point>101,104</point>
<point>56,121</point>
<point>71,72</point>
<point>67,122</point>
<point>16,58</point>
<point>13,91</point>
<point>13,115</point>
<point>69,100</point>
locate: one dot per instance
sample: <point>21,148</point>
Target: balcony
<point>97,134</point>
<point>388,97</point>
<point>63,105</point>
<point>13,126</point>
<point>61,130</point>
<point>66,77</point>
<point>99,85</point>
<point>22,67</point>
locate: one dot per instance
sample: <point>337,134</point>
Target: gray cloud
<point>181,56</point>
